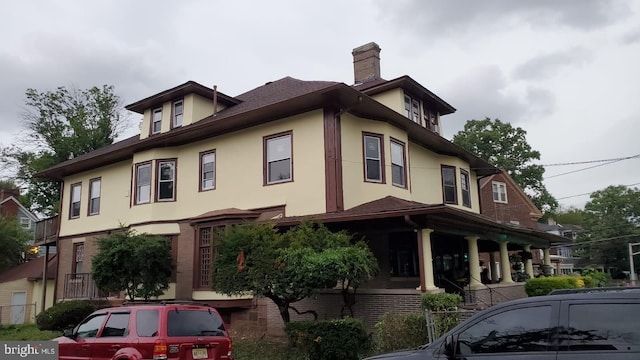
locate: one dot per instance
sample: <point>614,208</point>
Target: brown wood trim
<point>423,279</point>
<point>71,200</point>
<point>404,161</point>
<point>135,182</point>
<point>156,183</point>
<point>215,162</point>
<point>334,200</point>
<point>364,161</point>
<point>462,173</point>
<point>264,157</point>
<point>455,184</point>
<point>91,181</point>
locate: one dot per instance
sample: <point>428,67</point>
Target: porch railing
<point>80,286</point>
<point>46,231</point>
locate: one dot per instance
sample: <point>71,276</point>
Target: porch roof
<point>439,217</point>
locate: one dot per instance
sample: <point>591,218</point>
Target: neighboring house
<point>10,206</point>
<point>562,255</point>
<point>368,158</point>
<point>21,290</point>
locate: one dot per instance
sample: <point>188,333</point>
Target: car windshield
<point>194,323</point>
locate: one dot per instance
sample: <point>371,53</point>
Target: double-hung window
<point>156,121</point>
<point>412,109</point>
<point>278,158</point>
<point>373,158</point>
<point>94,196</point>
<point>143,183</point>
<point>499,192</point>
<point>449,189</point>
<point>78,257</point>
<point>465,187</point>
<point>74,208</point>
<point>177,114</point>
<point>166,180</point>
<point>207,171</point>
<point>398,169</point>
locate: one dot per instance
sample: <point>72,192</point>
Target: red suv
<point>162,331</point>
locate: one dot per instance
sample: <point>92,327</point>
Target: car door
<point>600,329</point>
<point>523,332</point>
<point>78,346</point>
<point>113,336</point>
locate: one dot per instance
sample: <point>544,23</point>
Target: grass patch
<point>26,332</point>
<point>263,349</point>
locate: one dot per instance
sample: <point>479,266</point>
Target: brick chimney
<point>366,63</point>
<point>5,193</point>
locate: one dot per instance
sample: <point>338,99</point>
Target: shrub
<point>544,285</point>
<point>401,331</point>
<point>441,301</point>
<point>343,339</point>
<point>64,315</point>
<point>599,278</point>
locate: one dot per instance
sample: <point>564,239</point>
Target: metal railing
<point>80,286</point>
<point>17,314</point>
<point>439,322</point>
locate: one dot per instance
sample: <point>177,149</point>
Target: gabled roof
<point>519,192</point>
<point>190,87</point>
<point>31,270</point>
<point>272,101</point>
<point>26,211</point>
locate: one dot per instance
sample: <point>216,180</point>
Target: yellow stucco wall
<point>36,297</point>
<point>393,99</point>
<point>239,179</point>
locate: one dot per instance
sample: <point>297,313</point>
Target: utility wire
<point>591,161</point>
<point>591,167</point>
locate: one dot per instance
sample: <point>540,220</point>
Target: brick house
<point>368,158</point>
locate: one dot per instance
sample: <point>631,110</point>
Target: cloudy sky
<point>568,72</point>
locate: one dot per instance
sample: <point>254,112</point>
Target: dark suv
<point>162,331</point>
<point>566,326</point>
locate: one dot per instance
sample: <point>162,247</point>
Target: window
<point>517,330</point>
<point>412,109</point>
<point>89,328</point>
<point>177,114</point>
<point>398,173</point>
<point>94,196</point>
<point>74,210</point>
<point>278,158</point>
<point>431,119</point>
<point>602,327</point>
<point>166,180</point>
<point>156,121</point>
<point>25,222</point>
<point>78,257</point>
<point>147,323</point>
<point>466,189</point>
<point>116,326</point>
<point>207,171</point>
<point>449,189</point>
<point>205,257</point>
<point>499,192</point>
<point>403,255</point>
<point>373,159</point>
<point>143,183</point>
<point>194,323</point>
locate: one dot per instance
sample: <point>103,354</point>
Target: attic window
<point>156,121</point>
<point>412,108</point>
<point>499,192</point>
<point>177,114</point>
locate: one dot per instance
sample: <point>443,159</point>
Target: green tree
<point>284,267</point>
<point>507,148</point>
<point>13,242</point>
<point>611,221</point>
<point>570,216</point>
<point>60,125</point>
<point>138,264</point>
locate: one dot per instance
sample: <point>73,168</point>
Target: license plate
<point>199,353</point>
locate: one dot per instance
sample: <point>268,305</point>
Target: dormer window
<point>412,108</point>
<point>156,121</point>
<point>177,114</point>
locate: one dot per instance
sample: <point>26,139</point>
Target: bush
<point>401,331</point>
<point>64,315</point>
<point>599,278</point>
<point>343,339</point>
<point>544,285</point>
<point>440,302</point>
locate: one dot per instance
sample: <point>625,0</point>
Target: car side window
<point>602,326</point>
<point>147,323</point>
<point>117,325</point>
<point>89,328</point>
<point>517,330</point>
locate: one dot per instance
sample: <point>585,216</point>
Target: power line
<point>589,193</point>
<point>591,167</point>
<point>591,161</point>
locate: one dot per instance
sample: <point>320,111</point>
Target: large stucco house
<point>367,157</point>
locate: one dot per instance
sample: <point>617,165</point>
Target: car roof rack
<point>164,302</point>
<point>595,290</point>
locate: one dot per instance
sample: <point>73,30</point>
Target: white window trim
<point>139,185</point>
<point>268,160</point>
<point>498,189</point>
<point>93,196</point>
<point>159,180</point>
<point>176,114</point>
<point>75,200</point>
<point>378,159</point>
<point>153,121</point>
<point>202,172</point>
<point>401,164</point>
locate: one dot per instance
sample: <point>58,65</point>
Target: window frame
<point>496,186</point>
<point>201,187</point>
<point>175,114</point>
<point>78,258</point>
<point>91,197</point>
<point>381,164</point>
<point>265,156</point>
<point>153,121</point>
<point>444,186</point>
<point>201,281</point>
<point>402,146</point>
<point>136,185</point>
<point>465,178</point>
<point>413,108</point>
<point>158,180</point>
<point>72,187</point>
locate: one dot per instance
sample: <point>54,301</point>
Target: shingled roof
<point>31,270</point>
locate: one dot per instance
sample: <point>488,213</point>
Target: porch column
<point>528,264</point>
<point>547,257</point>
<point>427,260</point>
<point>505,264</point>
<point>474,262</point>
